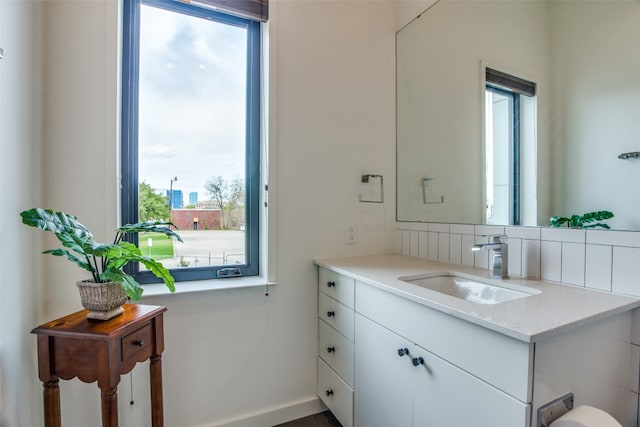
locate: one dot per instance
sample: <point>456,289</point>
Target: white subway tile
<point>530,233</point>
<point>467,254</point>
<point>572,235</point>
<point>635,326</point>
<point>485,230</point>
<point>423,245</point>
<point>626,271</point>
<point>531,258</point>
<point>635,368</point>
<point>598,267</point>
<point>481,258</point>
<point>515,256</point>
<point>443,247</point>
<point>614,238</point>
<point>433,246</point>
<point>415,245</point>
<point>439,227</point>
<point>406,242</point>
<point>455,248</point>
<point>573,260</point>
<point>551,260</point>
<point>461,228</point>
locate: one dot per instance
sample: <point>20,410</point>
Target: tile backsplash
<point>599,259</point>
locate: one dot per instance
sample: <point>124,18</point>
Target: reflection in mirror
<point>585,113</point>
<point>509,145</point>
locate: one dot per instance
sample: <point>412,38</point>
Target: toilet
<point>585,416</point>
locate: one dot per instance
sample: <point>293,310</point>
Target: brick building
<point>196,219</point>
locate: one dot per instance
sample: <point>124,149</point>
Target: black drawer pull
<point>417,361</point>
<point>139,342</point>
<point>331,313</point>
<point>331,284</point>
<point>331,349</point>
<point>403,352</point>
<point>329,392</point>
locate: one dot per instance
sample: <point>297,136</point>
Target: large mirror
<point>583,57</point>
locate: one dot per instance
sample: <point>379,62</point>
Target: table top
<point>78,325</point>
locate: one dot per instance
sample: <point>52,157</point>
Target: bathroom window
<point>509,148</point>
<point>191,135</point>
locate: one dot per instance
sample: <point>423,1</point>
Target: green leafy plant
<point>104,261</point>
<point>582,221</point>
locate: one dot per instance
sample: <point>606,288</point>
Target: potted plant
<point>109,286</point>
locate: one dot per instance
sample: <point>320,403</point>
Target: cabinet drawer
<point>336,350</point>
<point>336,394</point>
<point>335,314</point>
<point>337,286</point>
<point>137,344</point>
<point>496,358</point>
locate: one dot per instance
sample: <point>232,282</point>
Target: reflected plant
<point>582,221</point>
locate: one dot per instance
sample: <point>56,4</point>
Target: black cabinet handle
<point>329,392</point>
<point>331,349</point>
<point>331,313</point>
<point>331,284</point>
<point>417,361</point>
<point>403,351</point>
<point>139,342</point>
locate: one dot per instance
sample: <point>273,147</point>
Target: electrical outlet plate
<point>350,234</point>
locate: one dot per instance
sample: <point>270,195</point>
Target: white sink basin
<point>469,288</point>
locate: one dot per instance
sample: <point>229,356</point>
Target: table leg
<point>157,411</point>
<point>109,407</point>
<point>51,396</point>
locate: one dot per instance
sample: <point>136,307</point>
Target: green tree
<point>153,206</point>
<point>229,198</point>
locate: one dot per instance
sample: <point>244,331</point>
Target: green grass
<point>161,248</point>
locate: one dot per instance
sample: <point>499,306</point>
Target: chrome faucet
<point>500,254</point>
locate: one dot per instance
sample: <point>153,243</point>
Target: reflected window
<point>509,148</point>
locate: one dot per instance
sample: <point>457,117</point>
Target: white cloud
<point>192,101</point>
<point>158,150</point>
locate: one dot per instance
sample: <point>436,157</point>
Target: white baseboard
<point>275,415</point>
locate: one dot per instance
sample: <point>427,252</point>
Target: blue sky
<point>192,100</point>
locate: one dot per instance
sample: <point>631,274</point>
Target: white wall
<point>20,263</point>
<point>232,353</point>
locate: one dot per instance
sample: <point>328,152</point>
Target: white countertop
<point>556,308</point>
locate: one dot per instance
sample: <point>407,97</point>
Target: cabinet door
<point>445,395</point>
<point>383,378</point>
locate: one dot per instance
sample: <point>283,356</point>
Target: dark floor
<point>323,419</point>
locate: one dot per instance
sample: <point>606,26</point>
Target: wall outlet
<point>350,234</point>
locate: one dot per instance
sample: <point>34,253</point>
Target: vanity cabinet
<point>402,384</point>
<point>336,296</point>
<point>386,359</point>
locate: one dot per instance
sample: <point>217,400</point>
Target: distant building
<point>193,198</point>
<point>196,219</point>
<point>176,200</point>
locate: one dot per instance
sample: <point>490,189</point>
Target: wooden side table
<point>74,346</point>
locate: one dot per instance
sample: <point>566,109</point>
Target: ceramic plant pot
<point>103,300</point>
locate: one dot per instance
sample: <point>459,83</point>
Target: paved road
<point>208,247</point>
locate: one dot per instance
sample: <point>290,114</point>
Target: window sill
<point>157,289</point>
